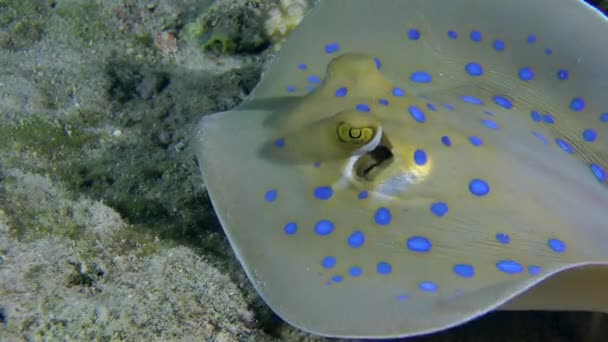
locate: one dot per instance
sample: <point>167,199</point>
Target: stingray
<point>407,166</point>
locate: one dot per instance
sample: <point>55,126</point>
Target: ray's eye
<point>355,135</point>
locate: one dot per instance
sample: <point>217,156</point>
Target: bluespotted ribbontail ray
<point>407,166</point>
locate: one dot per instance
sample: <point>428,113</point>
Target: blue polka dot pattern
<point>279,143</point>
<point>355,271</point>
<point>421,77</point>
<point>363,195</point>
<point>526,74</point>
<point>509,266</point>
<point>363,108</point>
<point>323,192</point>
<point>324,227</point>
<point>531,39</point>
<point>474,69</point>
<point>448,106</point>
<point>431,106</point>
<point>413,34</point>
<point>536,116</point>
<point>541,137</point>
<point>428,286</point>
<point>556,245</point>
<point>548,51</point>
<point>290,89</point>
<point>341,92</point>
<point>383,216</point>
<point>337,278</point>
<point>503,101</point>
<point>419,244</point>
<point>383,102</point>
<point>503,238</point>
<point>332,47</point>
<point>452,34</point>
<point>589,135</point>
<point>384,268</point>
<point>598,172</point>
<point>356,239</point>
<point>440,209</point>
<point>479,187</point>
<point>329,262</point>
<point>548,119</point>
<point>398,92</point>
<point>464,270</point>
<point>290,228</point>
<point>417,114</point>
<point>562,74</point>
<point>302,66</point>
<point>475,36</point>
<point>604,117</point>
<point>420,157</point>
<point>446,140</point>
<point>270,195</point>
<point>475,140</point>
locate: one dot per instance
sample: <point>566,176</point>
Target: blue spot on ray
<point>536,116</point>
<point>314,79</point>
<point>479,187</point>
<point>599,172</point>
<point>548,51</point>
<point>564,145</point>
<point>556,245</point>
<point>474,69</point>
<point>378,63</point>
<point>431,106</point>
<point>503,238</point>
<point>384,268</point>
<point>420,157</point>
<point>302,66</point>
<point>452,34</point>
<point>475,36</point>
<point>589,135</point>
<point>355,271</point>
<point>475,140</point>
<point>562,74</point>
<point>503,101</point>
<point>363,195</point>
<point>383,216</point>
<point>356,239</point>
<point>279,143</point>
<point>534,270</point>
<point>323,192</point>
<point>413,34</point>
<point>421,77</point>
<point>362,107</point>
<point>446,140</point>
<point>329,262</point>
<point>270,195</point>
<point>604,117</point>
<point>337,278</point>
<point>472,100</point>
<point>290,228</point>
<point>419,244</point>
<point>464,270</point>
<point>398,92</point>
<point>440,209</point>
<point>324,227</point>
<point>290,89</point>
<point>341,92</point>
<point>417,114</point>
<point>548,119</point>
<point>498,45</point>
<point>383,102</point>
<point>332,47</point>
<point>526,74</point>
<point>509,266</point>
<point>428,286</point>
<point>490,124</point>
<point>531,39</point>
<point>577,104</point>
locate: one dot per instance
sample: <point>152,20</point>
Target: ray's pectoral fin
<point>336,138</point>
